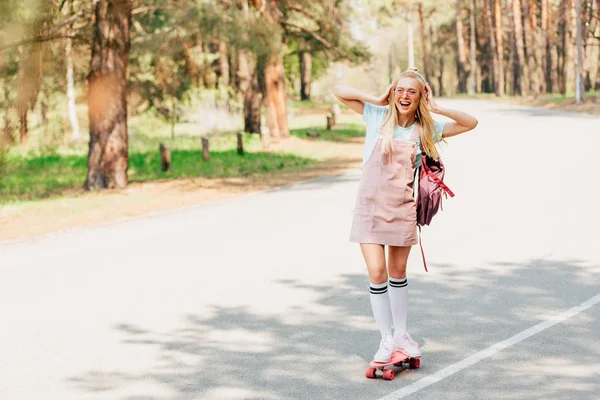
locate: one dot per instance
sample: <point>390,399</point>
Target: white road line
<point>490,351</point>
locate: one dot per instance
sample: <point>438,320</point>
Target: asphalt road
<point>263,297</point>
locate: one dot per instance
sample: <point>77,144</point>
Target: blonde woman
<point>398,122</point>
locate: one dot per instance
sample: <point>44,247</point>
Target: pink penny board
<point>397,359</point>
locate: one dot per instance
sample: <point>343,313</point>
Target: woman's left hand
<point>431,103</point>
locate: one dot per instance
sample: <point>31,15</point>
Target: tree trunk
<point>589,25</point>
<point>205,148</point>
<point>596,13</point>
<point>411,45</point>
<point>44,108</point>
<point>248,75</point>
<point>513,75</point>
<point>571,69</point>
<point>71,92</point>
<point>29,79</point>
<point>305,75</point>
<point>546,81</point>
<point>275,112</point>
<point>441,76</point>
<point>234,80</point>
<point>223,65</point>
<point>305,70</point>
<point>271,79</point>
<point>461,58</point>
<point>208,77</point>
<point>107,96</point>
<point>500,48</point>
<point>7,131</point>
<point>23,125</point>
<point>597,19</point>
<point>485,56</point>
<point>597,84</point>
<point>520,65</point>
<point>579,89</point>
<point>193,69</point>
<point>165,157</point>
<point>473,68</point>
<point>493,46</point>
<point>434,60</point>
<point>426,66</point>
<point>564,53</point>
<point>532,63</point>
<point>72,111</point>
<point>281,99</point>
<point>554,71</point>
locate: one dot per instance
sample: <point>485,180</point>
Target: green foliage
<point>242,29</point>
<point>320,22</point>
<point>341,133</point>
<point>159,71</point>
<point>173,61</point>
<point>3,157</point>
<point>222,164</point>
<point>38,177</point>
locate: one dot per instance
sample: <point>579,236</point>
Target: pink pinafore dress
<point>385,211</point>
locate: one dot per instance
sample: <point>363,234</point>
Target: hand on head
<point>431,103</point>
<point>384,99</point>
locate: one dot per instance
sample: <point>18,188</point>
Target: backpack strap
<point>422,252</point>
<point>435,178</point>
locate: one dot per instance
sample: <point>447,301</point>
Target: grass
<point>42,177</point>
<point>46,167</point>
<point>341,133</point>
<point>310,107</point>
<point>50,166</point>
<point>222,164</point>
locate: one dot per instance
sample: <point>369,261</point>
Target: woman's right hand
<point>384,99</point>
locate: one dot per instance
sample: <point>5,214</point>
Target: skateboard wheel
<point>388,375</point>
<point>414,363</point>
<point>370,373</point>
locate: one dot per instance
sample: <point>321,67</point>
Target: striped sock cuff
<point>380,288</point>
<point>398,283</point>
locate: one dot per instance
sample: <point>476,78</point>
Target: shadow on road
<point>240,354</point>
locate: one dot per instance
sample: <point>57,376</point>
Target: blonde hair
<point>424,120</point>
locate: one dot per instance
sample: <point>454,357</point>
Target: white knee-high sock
<point>380,303</point>
<point>398,292</point>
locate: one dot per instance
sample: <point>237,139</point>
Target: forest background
<point>133,106</point>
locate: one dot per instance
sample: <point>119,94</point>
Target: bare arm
<point>462,123</point>
<point>356,99</point>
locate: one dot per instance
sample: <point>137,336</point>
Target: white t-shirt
<point>373,116</point>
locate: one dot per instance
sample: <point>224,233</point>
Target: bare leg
<point>374,255</point>
<point>397,259</point>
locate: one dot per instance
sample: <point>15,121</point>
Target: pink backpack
<point>429,198</point>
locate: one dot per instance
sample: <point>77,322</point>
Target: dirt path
<point>79,208</point>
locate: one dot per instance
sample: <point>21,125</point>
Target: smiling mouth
<point>404,103</point>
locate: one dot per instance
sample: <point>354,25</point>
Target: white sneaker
<point>386,348</point>
<point>404,343</point>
